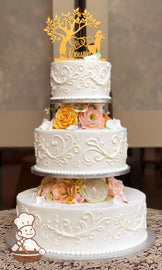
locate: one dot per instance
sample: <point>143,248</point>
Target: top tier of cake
<point>80,79</point>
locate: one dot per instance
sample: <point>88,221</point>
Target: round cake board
<point>76,175</point>
<point>107,256</point>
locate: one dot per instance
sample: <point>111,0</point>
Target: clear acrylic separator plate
<point>81,100</point>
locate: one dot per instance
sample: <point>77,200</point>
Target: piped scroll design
<point>88,226</point>
<point>93,76</point>
<point>98,151</point>
<point>61,230</point>
<point>61,149</point>
<point>124,226</point>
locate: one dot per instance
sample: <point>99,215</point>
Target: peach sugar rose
<point>65,117</point>
<point>92,119</point>
<point>64,191</point>
<point>115,187</point>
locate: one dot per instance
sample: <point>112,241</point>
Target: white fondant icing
<point>89,228</point>
<point>80,79</point>
<point>80,151</point>
<point>56,149</point>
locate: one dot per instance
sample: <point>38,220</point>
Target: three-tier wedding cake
<point>80,209</point>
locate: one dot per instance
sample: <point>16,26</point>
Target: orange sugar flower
<point>65,117</point>
<point>64,191</point>
<point>107,117</point>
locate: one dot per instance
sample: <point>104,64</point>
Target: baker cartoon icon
<point>26,246</point>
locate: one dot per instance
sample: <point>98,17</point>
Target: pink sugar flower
<point>47,189</point>
<point>78,199</point>
<point>39,192</point>
<point>92,119</point>
<point>64,191</point>
<point>115,187</point>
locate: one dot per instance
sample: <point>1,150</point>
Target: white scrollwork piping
<point>62,149</point>
<point>88,225</point>
<point>86,76</point>
<point>98,150</point>
<point>124,226</point>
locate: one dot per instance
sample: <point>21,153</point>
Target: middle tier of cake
<point>84,152</point>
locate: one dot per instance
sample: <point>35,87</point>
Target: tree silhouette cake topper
<point>70,31</point>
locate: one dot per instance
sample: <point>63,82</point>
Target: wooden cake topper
<point>68,30</point>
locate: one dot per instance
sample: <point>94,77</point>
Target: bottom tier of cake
<point>84,229</point>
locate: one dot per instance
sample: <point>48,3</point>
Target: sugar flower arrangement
<point>69,191</point>
<point>78,116</point>
<point>62,191</point>
<point>115,190</point>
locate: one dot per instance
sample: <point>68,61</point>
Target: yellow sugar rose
<point>65,117</point>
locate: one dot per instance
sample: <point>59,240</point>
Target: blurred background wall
<point>25,56</point>
<point>134,50</point>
